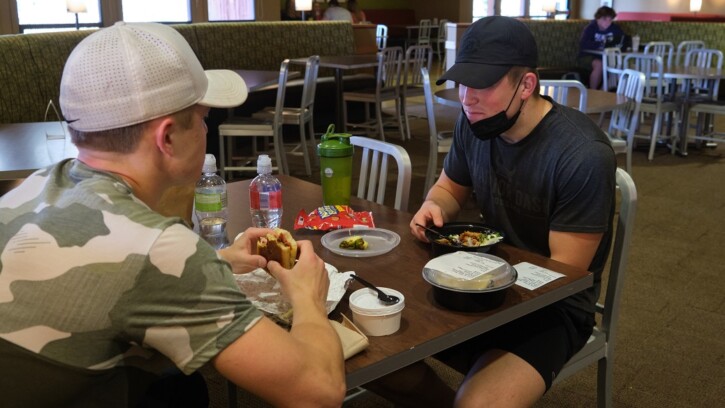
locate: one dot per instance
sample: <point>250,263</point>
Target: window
<point>480,9</point>
<point>536,8</point>
<point>166,11</point>
<point>52,15</point>
<point>231,10</point>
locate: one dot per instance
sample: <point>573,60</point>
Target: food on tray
<point>471,239</point>
<point>278,246</point>
<point>354,242</point>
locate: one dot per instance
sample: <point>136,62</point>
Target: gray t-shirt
<point>98,291</point>
<point>560,177</point>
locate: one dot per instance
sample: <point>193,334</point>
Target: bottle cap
<point>264,164</point>
<point>334,144</point>
<point>209,164</point>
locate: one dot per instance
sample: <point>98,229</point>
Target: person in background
<point>101,297</point>
<point>317,12</point>
<point>290,13</point>
<point>544,175</point>
<point>597,35</point>
<point>335,12</point>
<point>358,16</point>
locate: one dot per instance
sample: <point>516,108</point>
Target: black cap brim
<point>473,75</point>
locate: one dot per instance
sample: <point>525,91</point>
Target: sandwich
<point>278,246</point>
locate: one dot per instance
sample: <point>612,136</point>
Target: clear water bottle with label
<point>265,196</point>
<point>210,205</point>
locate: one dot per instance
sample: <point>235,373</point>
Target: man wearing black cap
<point>544,175</point>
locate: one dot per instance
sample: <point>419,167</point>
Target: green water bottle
<point>335,152</point>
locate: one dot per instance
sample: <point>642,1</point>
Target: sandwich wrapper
<point>264,291</point>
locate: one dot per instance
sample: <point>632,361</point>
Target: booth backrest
<point>32,64</point>
<point>558,40</point>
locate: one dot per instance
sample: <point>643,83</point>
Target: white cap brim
<point>225,89</point>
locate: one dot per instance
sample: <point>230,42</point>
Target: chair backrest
<point>424,29</point>
<point>374,171</point>
<point>620,256</point>
<point>625,118</point>
<point>704,58</point>
<point>389,78</point>
<point>684,47</point>
<point>442,30</point>
<point>611,67</point>
<point>435,145</point>
<point>653,69</point>
<point>381,36</point>
<point>312,66</point>
<point>664,49</point>
<point>416,57</point>
<point>558,90</point>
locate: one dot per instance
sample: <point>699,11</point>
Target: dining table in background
<point>597,101</point>
<point>426,327</point>
<point>341,63</point>
<point>24,147</point>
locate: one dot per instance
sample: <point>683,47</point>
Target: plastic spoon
<point>384,298</point>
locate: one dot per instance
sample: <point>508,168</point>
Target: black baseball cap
<point>489,48</point>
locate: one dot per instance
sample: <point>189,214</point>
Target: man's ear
<point>163,131</point>
<point>530,83</point>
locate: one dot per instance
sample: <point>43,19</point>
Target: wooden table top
<point>426,327</point>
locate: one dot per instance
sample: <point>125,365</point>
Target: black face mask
<point>487,129</point>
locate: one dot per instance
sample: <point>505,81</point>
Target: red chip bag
<point>331,217</point>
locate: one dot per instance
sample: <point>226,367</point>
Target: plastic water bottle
<point>265,196</point>
<point>210,205</point>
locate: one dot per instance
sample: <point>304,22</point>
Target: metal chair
<point>664,49</point>
<point>424,29</point>
<point>704,130</point>
<point>558,90</point>
<point>381,36</point>
<point>684,47</point>
<point>625,119</point>
<point>387,88</point>
<point>704,58</point>
<point>655,100</point>
<point>611,68</point>
<point>440,42</point>
<point>301,116</point>
<point>416,57</point>
<point>374,171</point>
<point>438,142</point>
<point>254,128</point>
<point>600,346</point>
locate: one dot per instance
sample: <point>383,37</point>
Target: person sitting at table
<point>544,175</point>
<point>100,295</point>
<point>600,33</point>
<point>335,12</point>
<point>358,16</point>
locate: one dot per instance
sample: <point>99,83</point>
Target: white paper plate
<point>380,241</point>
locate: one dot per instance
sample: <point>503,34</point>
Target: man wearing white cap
<point>100,295</point>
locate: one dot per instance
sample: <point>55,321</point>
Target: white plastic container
<point>373,317</point>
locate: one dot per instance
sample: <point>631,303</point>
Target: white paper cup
<point>372,316</point>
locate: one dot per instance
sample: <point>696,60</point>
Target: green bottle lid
<point>334,144</point>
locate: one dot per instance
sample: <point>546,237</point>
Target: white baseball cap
<point>134,72</point>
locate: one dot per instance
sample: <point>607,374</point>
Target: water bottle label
<point>209,202</point>
<point>267,200</point>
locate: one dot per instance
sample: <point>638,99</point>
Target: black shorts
<point>546,339</point>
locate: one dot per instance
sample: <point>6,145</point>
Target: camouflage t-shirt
<point>93,282</point>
